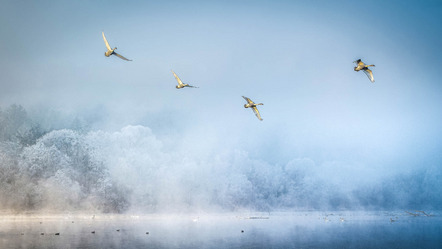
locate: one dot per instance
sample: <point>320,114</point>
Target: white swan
<point>251,104</point>
<point>111,51</point>
<point>180,83</point>
<point>362,66</point>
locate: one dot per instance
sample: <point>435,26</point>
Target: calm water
<point>275,230</point>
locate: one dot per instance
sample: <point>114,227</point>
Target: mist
<point>80,169</point>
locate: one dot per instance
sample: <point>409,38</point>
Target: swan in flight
<point>364,67</point>
<point>251,104</point>
<point>180,83</point>
<point>111,51</point>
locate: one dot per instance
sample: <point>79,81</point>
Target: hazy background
<point>113,135</point>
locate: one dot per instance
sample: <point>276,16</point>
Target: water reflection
<point>277,230</point>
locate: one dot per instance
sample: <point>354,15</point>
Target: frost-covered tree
<point>63,163</point>
<point>57,171</point>
<point>17,192</point>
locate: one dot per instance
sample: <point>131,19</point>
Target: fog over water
<point>134,170</point>
<point>83,132</point>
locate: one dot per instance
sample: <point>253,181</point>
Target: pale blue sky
<point>294,56</point>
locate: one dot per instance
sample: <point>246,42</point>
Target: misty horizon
<point>133,170</point>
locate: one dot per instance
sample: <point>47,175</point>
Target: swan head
<point>245,105</point>
<point>177,87</point>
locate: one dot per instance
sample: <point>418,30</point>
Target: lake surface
<point>239,230</point>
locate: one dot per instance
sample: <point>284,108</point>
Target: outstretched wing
<point>105,41</point>
<point>177,78</point>
<point>192,86</point>
<point>369,74</point>
<point>255,110</point>
<point>248,100</point>
<point>122,57</point>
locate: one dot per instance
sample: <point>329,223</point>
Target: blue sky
<point>293,56</point>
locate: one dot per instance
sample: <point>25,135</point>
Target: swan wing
<point>369,74</point>
<point>122,57</point>
<point>248,100</point>
<point>255,110</point>
<point>177,78</point>
<point>105,41</point>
